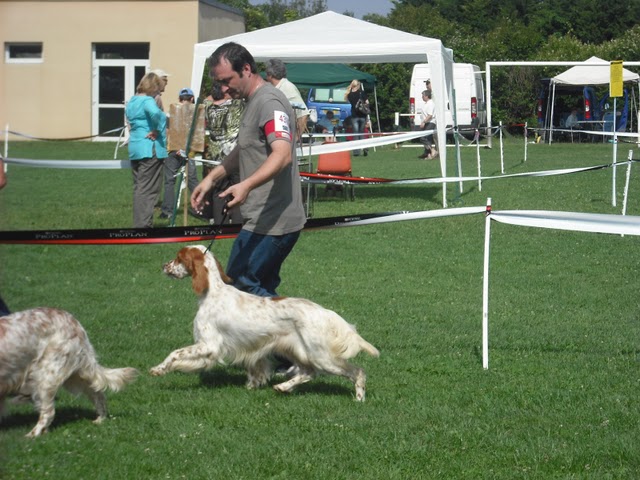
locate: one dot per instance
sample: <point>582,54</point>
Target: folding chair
<point>337,163</point>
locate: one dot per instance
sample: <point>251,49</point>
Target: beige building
<point>69,66</point>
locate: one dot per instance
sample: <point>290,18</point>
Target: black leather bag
<point>362,107</point>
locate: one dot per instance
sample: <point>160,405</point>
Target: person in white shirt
<point>276,73</point>
<point>428,123</point>
<point>572,119</point>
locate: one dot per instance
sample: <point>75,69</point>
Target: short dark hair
<point>236,55</point>
<point>276,68</point>
<point>427,92</point>
<point>216,91</point>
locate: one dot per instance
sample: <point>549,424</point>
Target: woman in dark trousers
<point>354,93</point>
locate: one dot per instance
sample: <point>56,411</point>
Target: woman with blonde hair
<point>147,147</point>
<point>354,93</point>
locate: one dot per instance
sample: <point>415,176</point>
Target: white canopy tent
<point>333,38</point>
<point>593,71</point>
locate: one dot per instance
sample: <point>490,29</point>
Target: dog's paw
<point>253,383</point>
<point>36,432</point>
<point>285,387</point>
<point>157,371</point>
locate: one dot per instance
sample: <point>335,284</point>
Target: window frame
<point>9,59</point>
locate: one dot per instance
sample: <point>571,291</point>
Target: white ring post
<point>525,141</point>
<point>501,149</point>
<point>615,155</point>
<point>6,141</point>
<point>485,289</point>
<point>626,183</point>
<point>479,167</point>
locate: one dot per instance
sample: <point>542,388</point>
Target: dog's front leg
<point>189,359</point>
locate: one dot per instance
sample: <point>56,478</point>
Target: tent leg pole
<point>485,289</point>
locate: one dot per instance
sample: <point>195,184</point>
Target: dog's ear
<point>193,260</point>
<point>225,278</point>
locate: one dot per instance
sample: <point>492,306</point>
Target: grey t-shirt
<point>274,208</point>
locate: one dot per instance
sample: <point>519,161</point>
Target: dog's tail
<point>350,343</point>
<point>112,378</point>
<point>367,347</point>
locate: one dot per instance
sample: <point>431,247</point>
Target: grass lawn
<point>560,399</point>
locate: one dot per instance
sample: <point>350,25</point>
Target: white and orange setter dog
<point>43,349</point>
<point>249,330</point>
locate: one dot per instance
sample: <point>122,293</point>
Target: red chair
<point>337,163</point>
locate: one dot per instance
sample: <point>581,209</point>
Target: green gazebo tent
<point>307,75</point>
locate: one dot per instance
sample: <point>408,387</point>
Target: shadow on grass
<point>318,387</point>
<point>28,420</point>
<point>223,378</point>
<point>220,378</point>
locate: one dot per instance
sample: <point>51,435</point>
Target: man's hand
<point>199,193</point>
<point>238,194</point>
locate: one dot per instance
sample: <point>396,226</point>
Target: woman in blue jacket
<point>147,148</point>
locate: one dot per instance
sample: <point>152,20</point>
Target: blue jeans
<point>358,124</point>
<point>255,261</point>
<point>4,310</point>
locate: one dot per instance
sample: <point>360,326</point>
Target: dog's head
<point>192,261</point>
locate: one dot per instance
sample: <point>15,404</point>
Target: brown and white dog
<point>248,330</point>
<point>43,349</point>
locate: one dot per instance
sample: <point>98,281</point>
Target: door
<point>115,77</point>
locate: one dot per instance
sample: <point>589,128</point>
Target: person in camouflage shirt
<point>222,116</point>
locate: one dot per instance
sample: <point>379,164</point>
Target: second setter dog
<point>249,330</point>
<point>43,349</point>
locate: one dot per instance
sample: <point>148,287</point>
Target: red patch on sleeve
<point>279,126</point>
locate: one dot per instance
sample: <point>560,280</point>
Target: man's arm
<point>301,125</point>
<point>278,160</point>
<point>229,164</point>
<point>426,118</point>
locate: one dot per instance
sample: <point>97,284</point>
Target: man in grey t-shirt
<point>269,192</point>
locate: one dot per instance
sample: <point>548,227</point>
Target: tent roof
<point>329,37</point>
<point>307,75</point>
<point>595,71</point>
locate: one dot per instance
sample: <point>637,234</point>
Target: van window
<point>321,99</point>
<point>325,95</point>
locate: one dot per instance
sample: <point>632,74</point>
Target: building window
<point>23,52</point>
<point>122,51</point>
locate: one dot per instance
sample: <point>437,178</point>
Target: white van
<point>469,87</point>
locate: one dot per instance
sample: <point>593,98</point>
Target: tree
<point>483,30</point>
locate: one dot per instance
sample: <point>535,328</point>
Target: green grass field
<point>560,399</point>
